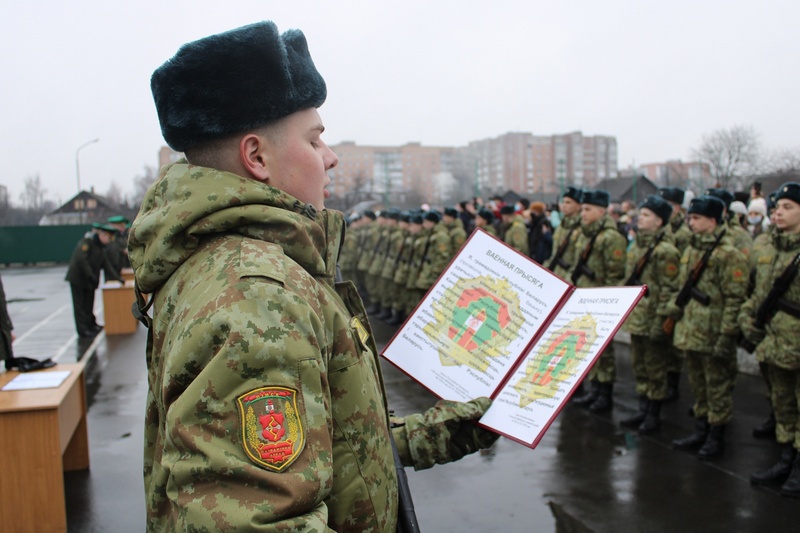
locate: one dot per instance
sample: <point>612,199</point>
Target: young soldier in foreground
<point>652,260</point>
<point>706,328</point>
<point>771,319</point>
<point>600,262</point>
<point>266,409</point>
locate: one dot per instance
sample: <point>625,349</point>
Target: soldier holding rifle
<point>652,260</point>
<point>565,253</point>
<point>713,279</point>
<point>770,319</point>
<point>600,262</point>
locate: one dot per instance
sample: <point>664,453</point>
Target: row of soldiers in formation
<point>710,288</point>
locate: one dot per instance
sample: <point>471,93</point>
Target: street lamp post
<point>78,173</point>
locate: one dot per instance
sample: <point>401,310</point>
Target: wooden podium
<point>43,433</point>
<point>117,302</point>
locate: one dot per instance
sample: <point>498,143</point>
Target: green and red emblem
<point>272,434</point>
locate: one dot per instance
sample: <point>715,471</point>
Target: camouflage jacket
<point>781,344</point>
<point>404,264</point>
<point>418,253</point>
<point>607,256</point>
<point>371,238</point>
<point>381,250</point>
<point>741,239</point>
<point>457,234</point>
<point>660,274</point>
<point>567,234</point>
<point>724,281</point>
<point>436,260</point>
<point>515,234</point>
<point>348,255</point>
<point>397,239</point>
<point>681,234</point>
<point>266,409</point>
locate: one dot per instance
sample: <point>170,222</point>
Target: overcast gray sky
<point>657,75</point>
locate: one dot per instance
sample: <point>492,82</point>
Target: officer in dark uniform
<point>83,275</point>
<point>117,249</point>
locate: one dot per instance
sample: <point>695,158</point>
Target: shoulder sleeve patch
<point>271,429</point>
<point>738,275</point>
<point>85,247</point>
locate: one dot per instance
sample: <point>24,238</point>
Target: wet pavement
<point>587,471</point>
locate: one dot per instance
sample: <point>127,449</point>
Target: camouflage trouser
<point>786,404</point>
<point>674,359</point>
<point>371,281</point>
<point>650,364</point>
<point>711,380</point>
<point>388,293</point>
<point>414,296</point>
<point>605,368</point>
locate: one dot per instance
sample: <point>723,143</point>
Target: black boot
<point>696,439</point>
<point>714,444</point>
<point>635,420</point>
<point>385,314</point>
<point>604,401</point>
<point>397,319</point>
<point>374,308</point>
<point>652,421</point>
<point>792,486</point>
<point>673,386</point>
<point>589,396</point>
<point>777,473</point>
<point>766,430</point>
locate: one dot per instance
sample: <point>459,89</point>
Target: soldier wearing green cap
<point>266,409</point>
<point>117,249</point>
<point>83,274</point>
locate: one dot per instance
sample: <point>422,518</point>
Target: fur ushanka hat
<point>232,82</point>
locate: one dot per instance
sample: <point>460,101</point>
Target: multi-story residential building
<point>676,173</point>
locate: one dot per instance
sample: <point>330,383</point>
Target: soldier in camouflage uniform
<point>455,228</point>
<point>736,233</point>
<point>374,262</point>
<point>266,409</point>
<point>600,262</point>
<point>680,235</point>
<point>405,297</point>
<point>365,242</point>
<point>565,253</point>
<point>778,341</point>
<point>419,251</point>
<point>438,251</point>
<point>389,292</point>
<point>485,221</point>
<point>380,259</point>
<point>706,328</point>
<point>653,261</point>
<point>348,254</point>
<point>761,244</point>
<point>514,230</point>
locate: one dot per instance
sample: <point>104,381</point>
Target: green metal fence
<point>39,244</point>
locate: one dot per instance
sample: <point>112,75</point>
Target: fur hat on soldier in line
<point>672,194</point>
<point>597,197</point>
<point>659,206</point>
<point>789,191</point>
<point>707,206</point>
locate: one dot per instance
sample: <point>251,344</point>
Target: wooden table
<point>127,273</point>
<point>117,302</point>
<point>42,434</point>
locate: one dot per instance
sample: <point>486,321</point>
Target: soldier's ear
<point>253,156</point>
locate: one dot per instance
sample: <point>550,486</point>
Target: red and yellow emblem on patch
<point>738,275</point>
<point>618,254</point>
<point>272,434</point>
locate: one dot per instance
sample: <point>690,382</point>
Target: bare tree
<point>783,161</point>
<point>143,182</point>
<point>33,197</point>
<point>115,194</point>
<point>732,155</point>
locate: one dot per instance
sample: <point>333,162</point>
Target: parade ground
<point>587,474</point>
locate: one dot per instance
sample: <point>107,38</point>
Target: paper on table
<point>37,380</point>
